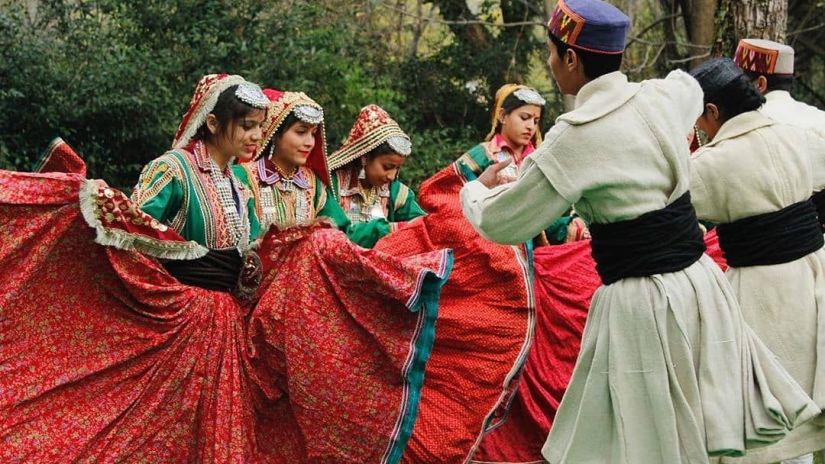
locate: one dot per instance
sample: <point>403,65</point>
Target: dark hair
<point>288,122</point>
<point>595,64</point>
<point>511,103</point>
<point>383,149</point>
<point>775,81</point>
<point>227,109</point>
<point>737,97</point>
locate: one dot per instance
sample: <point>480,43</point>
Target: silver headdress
<point>252,95</point>
<point>401,145</point>
<point>529,96</point>
<point>309,114</point>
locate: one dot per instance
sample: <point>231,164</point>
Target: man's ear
<point>761,84</point>
<point>571,59</point>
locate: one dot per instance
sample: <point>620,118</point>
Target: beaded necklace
<point>225,186</point>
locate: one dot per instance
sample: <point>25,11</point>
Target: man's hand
<point>577,230</point>
<point>492,176</point>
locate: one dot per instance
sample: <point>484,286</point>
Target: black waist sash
<point>218,270</point>
<point>772,238</point>
<point>818,199</point>
<point>658,242</point>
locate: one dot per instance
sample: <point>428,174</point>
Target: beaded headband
<point>529,96</point>
<point>252,95</point>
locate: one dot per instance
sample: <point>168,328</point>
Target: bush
<point>113,78</point>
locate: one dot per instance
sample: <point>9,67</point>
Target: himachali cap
<point>373,127</point>
<point>282,104</point>
<point>714,74</point>
<point>764,57</point>
<point>591,25</point>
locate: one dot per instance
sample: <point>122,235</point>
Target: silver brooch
<point>309,114</point>
<point>252,95</point>
<point>401,145</point>
<point>529,96</point>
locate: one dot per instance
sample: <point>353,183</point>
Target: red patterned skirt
<point>105,357</point>
<point>485,325</point>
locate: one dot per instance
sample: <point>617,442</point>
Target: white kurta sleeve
<point>817,150</point>
<point>515,212</point>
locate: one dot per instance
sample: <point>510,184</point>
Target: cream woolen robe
<point>754,166</point>
<point>668,371</point>
<point>781,107</point>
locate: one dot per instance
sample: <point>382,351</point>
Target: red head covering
<point>284,103</point>
<point>373,127</point>
<point>203,102</point>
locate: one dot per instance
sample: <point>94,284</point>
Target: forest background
<point>113,77</point>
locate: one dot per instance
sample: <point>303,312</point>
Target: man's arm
<point>512,213</point>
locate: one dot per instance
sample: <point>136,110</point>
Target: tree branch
<point>651,26</point>
<point>462,22</point>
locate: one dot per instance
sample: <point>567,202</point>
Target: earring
<point>698,134</point>
<point>363,173</point>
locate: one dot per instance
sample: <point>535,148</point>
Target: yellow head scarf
<point>501,94</point>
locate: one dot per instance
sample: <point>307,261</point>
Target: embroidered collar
<point>271,176</point>
<point>204,162</point>
<point>500,143</point>
<point>350,186</point>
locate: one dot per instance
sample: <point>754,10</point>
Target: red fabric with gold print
<point>105,357</point>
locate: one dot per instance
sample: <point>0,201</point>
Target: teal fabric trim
<point>425,301</point>
<point>557,231</point>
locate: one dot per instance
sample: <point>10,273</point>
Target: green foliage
<point>114,77</point>
<point>111,78</point>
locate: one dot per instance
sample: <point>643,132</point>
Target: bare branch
<point>690,58</point>
<point>461,22</point>
<point>646,60</point>
<point>674,42</point>
<point>651,26</point>
<point>807,29</point>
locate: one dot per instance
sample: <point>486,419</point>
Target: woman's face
<point>383,169</point>
<point>520,125</point>
<point>242,135</point>
<point>292,148</point>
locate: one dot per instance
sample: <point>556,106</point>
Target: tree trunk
<point>760,19</point>
<point>700,18</point>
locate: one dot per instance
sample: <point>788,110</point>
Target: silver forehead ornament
<point>252,95</point>
<point>400,145</point>
<point>309,114</point>
<point>529,96</point>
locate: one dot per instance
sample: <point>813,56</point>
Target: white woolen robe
<point>754,166</point>
<point>668,371</point>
